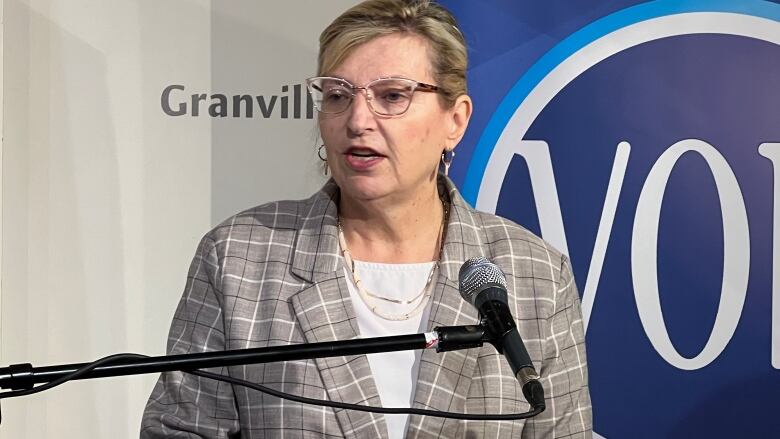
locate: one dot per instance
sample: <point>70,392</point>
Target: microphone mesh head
<point>476,274</point>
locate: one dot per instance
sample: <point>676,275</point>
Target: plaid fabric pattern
<point>273,275</point>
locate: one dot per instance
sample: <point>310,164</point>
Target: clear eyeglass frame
<point>390,96</point>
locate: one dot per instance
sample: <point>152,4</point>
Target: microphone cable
<point>290,397</point>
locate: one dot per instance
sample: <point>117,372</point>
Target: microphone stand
<point>20,377</point>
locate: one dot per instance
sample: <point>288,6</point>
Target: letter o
<point>736,254</point>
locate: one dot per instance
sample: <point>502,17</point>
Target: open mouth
<point>363,153</point>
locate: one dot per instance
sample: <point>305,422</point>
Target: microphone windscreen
<point>476,275</point>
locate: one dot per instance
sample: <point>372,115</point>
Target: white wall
<point>104,196</point>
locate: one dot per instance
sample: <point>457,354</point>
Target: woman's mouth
<point>362,159</point>
<point>363,156</point>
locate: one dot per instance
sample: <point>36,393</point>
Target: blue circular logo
<point>644,146</point>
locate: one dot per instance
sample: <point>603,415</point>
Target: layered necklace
<point>370,298</point>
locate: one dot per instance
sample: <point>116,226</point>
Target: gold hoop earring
<point>447,161</point>
<point>323,159</point>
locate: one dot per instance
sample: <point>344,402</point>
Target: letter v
<point>605,230</point>
<point>537,156</point>
<point>266,109</point>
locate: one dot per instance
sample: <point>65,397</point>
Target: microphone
<point>483,285</point>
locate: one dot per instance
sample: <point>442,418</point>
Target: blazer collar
<point>464,238</point>
<point>317,245</point>
<point>317,251</point>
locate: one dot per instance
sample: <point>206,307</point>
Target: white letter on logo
<point>605,230</point>
<point>537,156</point>
<point>736,255</point>
<point>772,152</point>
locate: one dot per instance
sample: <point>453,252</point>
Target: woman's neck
<point>393,231</point>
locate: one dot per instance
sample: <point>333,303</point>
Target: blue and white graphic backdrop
<point>643,140</point>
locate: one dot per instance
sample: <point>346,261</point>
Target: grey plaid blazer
<point>273,275</point>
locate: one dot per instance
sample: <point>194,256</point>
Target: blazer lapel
<point>325,313</point>
<point>444,378</point>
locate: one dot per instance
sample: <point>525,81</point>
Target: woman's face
<point>372,156</point>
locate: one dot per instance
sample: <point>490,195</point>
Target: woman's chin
<point>365,188</point>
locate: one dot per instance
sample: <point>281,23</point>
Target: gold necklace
<point>366,295</point>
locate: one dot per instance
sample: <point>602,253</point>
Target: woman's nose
<point>361,117</point>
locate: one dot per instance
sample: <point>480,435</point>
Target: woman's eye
<point>393,96</point>
<point>335,95</point>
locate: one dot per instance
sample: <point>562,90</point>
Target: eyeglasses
<point>385,96</point>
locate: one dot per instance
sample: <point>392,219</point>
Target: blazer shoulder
<point>259,222</point>
<point>505,237</point>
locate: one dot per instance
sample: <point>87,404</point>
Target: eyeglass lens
<point>385,96</point>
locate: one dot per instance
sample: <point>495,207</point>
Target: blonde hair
<point>374,18</point>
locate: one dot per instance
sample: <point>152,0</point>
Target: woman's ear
<point>459,116</point>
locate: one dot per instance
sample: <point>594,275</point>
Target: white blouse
<point>394,372</point>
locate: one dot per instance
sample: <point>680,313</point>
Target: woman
<point>375,252</point>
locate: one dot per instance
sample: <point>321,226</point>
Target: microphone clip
<point>453,338</point>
